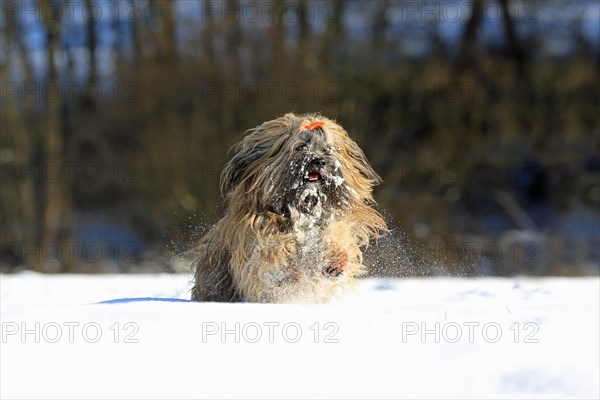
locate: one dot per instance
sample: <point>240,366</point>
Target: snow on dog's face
<point>314,177</point>
<point>303,163</point>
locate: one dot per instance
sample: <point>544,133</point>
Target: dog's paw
<point>337,265</point>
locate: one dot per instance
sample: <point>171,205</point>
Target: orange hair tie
<point>314,125</point>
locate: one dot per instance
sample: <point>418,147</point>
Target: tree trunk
<point>208,33</point>
<point>303,56</point>
<point>277,39</point>
<point>54,212</point>
<point>330,45</point>
<point>25,215</point>
<point>514,47</point>
<point>378,31</point>
<point>167,49</point>
<point>137,39</point>
<point>466,55</point>
<point>91,42</point>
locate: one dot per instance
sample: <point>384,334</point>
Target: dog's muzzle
<point>315,170</point>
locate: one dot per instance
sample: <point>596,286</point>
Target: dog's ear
<point>252,148</point>
<point>236,168</point>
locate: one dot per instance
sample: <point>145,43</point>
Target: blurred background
<point>482,118</point>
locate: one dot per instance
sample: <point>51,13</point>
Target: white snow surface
<point>483,338</point>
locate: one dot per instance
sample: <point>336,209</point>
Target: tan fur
<point>265,249</point>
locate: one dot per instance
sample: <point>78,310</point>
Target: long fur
<point>283,239</point>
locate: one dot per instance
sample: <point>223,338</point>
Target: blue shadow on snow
<point>143,299</point>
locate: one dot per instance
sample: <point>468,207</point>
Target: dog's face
<point>302,163</point>
<point>315,176</point>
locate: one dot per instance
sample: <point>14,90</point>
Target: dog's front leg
<point>336,266</point>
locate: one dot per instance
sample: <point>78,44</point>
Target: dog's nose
<point>319,162</point>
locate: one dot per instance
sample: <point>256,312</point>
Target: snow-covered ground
<point>394,338</point>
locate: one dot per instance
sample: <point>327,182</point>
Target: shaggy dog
<point>298,196</point>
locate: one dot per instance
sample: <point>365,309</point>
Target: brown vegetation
<point>471,136</point>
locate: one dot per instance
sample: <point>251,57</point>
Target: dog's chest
<point>310,242</point>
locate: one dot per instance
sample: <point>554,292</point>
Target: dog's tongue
<point>313,175</point>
